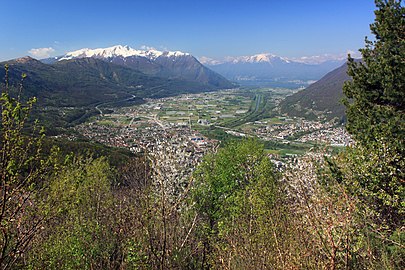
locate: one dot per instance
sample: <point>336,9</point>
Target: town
<point>170,130</point>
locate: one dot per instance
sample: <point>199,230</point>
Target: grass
<point>106,122</point>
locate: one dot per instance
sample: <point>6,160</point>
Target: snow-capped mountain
<point>257,58</point>
<point>269,69</point>
<point>166,64</point>
<point>120,51</point>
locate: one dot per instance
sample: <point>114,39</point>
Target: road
<point>258,100</point>
<point>246,118</point>
<point>156,120</point>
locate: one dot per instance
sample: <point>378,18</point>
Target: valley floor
<point>179,131</point>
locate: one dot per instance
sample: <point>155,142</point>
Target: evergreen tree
<point>375,113</point>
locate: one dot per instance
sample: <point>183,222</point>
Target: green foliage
<point>116,156</point>
<point>376,240</point>
<point>376,118</point>
<point>234,188</point>
<point>221,178</point>
<point>79,234</point>
<point>22,171</point>
<point>377,95</point>
<point>372,176</point>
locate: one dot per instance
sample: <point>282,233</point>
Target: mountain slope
<point>169,65</point>
<point>321,96</point>
<point>75,83</point>
<point>86,81</point>
<point>68,91</point>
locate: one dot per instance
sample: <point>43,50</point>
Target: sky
<point>210,28</point>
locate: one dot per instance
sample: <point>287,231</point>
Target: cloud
<point>317,59</point>
<point>41,52</point>
<point>145,47</point>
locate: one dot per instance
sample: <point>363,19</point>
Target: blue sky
<point>203,28</point>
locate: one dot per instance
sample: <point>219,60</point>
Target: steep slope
<point>69,91</point>
<point>187,67</point>
<point>169,65</point>
<point>74,83</point>
<point>322,96</point>
<point>86,81</point>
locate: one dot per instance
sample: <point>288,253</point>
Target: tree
<point>82,232</point>
<point>375,100</point>
<point>22,170</point>
<point>233,195</point>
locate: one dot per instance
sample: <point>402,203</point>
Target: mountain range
<point>86,76</point>
<point>167,64</point>
<point>270,70</point>
<point>69,87</point>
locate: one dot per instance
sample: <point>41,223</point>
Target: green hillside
<point>68,91</point>
<point>321,98</point>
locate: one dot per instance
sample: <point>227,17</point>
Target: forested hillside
<point>324,96</point>
<point>71,89</point>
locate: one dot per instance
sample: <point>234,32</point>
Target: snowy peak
<point>173,65</point>
<point>259,58</point>
<point>174,54</point>
<point>273,59</point>
<point>209,61</point>
<point>267,58</point>
<point>120,51</point>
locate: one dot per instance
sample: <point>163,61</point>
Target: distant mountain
<point>69,87</point>
<point>322,96</point>
<point>169,65</point>
<point>269,69</point>
<point>87,81</point>
<point>68,91</point>
<point>70,84</point>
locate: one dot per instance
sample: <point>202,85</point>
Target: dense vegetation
<point>78,211</point>
<point>376,119</point>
